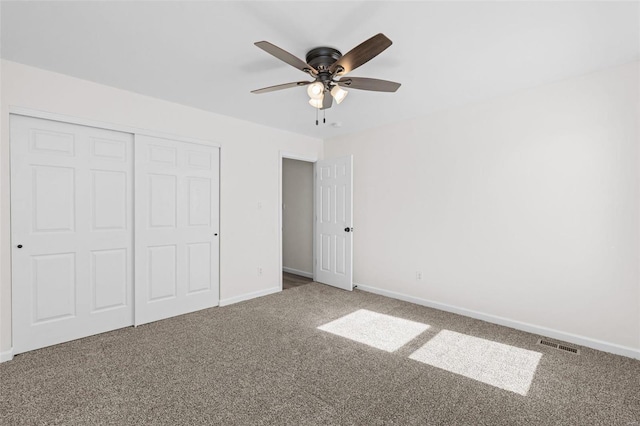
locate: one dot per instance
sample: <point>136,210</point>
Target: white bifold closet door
<point>72,229</point>
<point>73,193</point>
<point>176,229</point>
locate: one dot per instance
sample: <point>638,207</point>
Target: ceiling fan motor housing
<point>321,58</point>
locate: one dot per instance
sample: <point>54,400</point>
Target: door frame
<point>309,158</point>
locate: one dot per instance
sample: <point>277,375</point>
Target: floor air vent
<point>559,346</point>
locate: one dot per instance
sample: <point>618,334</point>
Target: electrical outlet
<point>259,271</point>
<point>418,276</point>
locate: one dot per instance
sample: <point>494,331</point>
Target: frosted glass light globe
<point>338,94</point>
<point>315,90</point>
<point>316,103</point>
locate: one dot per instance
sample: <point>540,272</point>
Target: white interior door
<point>71,223</point>
<point>176,236</point>
<point>334,217</point>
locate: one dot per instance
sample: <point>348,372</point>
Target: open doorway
<point>297,222</point>
<point>320,249</point>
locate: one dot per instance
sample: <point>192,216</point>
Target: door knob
<point>19,245</point>
<point>215,235</point>
<point>348,229</point>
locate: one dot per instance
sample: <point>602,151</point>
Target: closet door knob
<point>19,246</point>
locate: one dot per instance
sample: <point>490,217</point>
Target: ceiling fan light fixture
<point>338,94</point>
<point>316,103</point>
<point>316,90</point>
<point>327,66</point>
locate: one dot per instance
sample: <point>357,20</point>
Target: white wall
<point>524,207</point>
<point>297,216</point>
<point>249,236</point>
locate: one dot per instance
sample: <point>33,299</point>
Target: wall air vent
<point>559,346</point>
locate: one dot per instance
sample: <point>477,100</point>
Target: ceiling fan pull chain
<point>324,116</point>
<point>316,116</point>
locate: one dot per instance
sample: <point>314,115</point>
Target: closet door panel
<point>176,227</point>
<point>71,231</point>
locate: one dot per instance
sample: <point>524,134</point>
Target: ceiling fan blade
<point>285,56</point>
<point>281,86</point>
<point>327,101</point>
<point>372,84</point>
<point>361,54</point>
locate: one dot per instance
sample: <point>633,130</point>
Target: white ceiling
<point>202,54</point>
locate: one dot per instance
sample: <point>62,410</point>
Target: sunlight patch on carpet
<point>496,364</point>
<point>381,331</point>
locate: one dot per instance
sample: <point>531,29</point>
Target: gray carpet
<point>265,362</point>
<point>292,280</point>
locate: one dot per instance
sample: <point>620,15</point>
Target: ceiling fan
<point>327,66</point>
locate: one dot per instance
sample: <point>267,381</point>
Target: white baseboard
<point>6,355</point>
<point>248,296</point>
<point>298,272</point>
<point>530,328</point>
